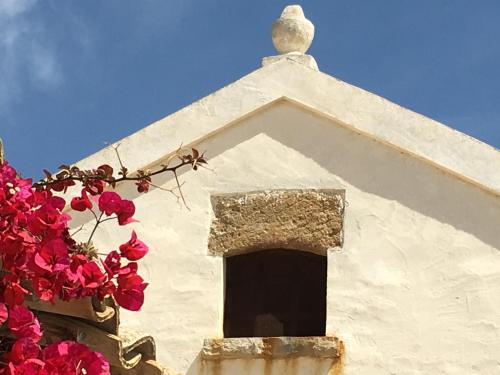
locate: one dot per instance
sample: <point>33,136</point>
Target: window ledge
<point>271,347</point>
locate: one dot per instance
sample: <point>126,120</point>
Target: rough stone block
<point>309,220</point>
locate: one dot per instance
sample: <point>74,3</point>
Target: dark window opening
<point>275,293</point>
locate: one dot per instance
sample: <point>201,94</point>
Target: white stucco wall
<point>414,290</point>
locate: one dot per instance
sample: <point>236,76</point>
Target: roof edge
<point>351,107</point>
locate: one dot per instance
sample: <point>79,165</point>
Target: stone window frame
<point>296,219</point>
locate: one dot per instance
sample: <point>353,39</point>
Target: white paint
<point>416,287</point>
<point>349,106</point>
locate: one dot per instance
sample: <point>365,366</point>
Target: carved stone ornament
<point>292,32</point>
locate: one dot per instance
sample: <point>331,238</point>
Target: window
<point>275,293</point>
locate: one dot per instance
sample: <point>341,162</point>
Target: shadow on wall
<point>371,167</point>
<point>365,164</point>
<point>350,159</point>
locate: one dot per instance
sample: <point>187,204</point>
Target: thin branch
<point>118,155</point>
<point>108,219</point>
<point>171,191</point>
<point>44,183</point>
<point>180,190</point>
<point>95,215</point>
<point>78,230</point>
<point>67,176</point>
<point>95,227</point>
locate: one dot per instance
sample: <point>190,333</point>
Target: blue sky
<point>76,74</point>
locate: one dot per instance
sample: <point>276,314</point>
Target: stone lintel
<point>301,219</point>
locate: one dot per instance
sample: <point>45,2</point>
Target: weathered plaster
<point>304,219</point>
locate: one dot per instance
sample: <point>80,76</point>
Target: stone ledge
<point>300,219</point>
<point>271,347</point>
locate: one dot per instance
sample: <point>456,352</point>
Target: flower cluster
<point>39,255</point>
<point>39,258</point>
<point>28,357</point>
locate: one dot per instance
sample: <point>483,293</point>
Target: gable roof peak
<point>292,35</point>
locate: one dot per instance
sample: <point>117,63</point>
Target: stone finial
<point>292,35</point>
<point>292,32</point>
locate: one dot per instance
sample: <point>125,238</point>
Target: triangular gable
<point>347,105</point>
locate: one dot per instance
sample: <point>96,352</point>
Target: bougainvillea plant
<point>42,261</point>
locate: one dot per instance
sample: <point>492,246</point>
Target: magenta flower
<point>130,291</point>
<point>72,358</point>
<point>23,324</point>
<point>81,203</point>
<point>134,249</point>
<point>109,202</point>
<point>53,256</point>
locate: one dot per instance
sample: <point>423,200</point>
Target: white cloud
<point>27,57</point>
<point>44,67</point>
<point>10,8</point>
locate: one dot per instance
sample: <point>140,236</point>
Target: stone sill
<point>271,347</point>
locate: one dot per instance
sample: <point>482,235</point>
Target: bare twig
<point>77,231</point>
<point>68,175</point>
<point>95,227</point>
<point>180,190</point>
<point>118,155</point>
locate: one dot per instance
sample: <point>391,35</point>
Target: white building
<point>379,230</point>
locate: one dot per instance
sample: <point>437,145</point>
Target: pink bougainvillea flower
<point>106,289</point>
<point>4,314</point>
<point>23,324</point>
<point>81,203</point>
<point>109,202</point>
<point>47,219</point>
<point>53,256</point>
<point>45,289</point>
<point>134,249</point>
<point>142,186</point>
<point>56,202</point>
<point>12,243</point>
<point>14,293</point>
<point>125,212</point>
<point>130,291</point>
<point>61,185</point>
<point>23,350</point>
<point>37,249</point>
<point>72,358</point>
<point>95,187</point>
<point>31,366</point>
<point>132,267</point>
<point>92,277</point>
<point>112,263</point>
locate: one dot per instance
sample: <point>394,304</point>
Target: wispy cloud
<point>10,8</point>
<point>27,57</point>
